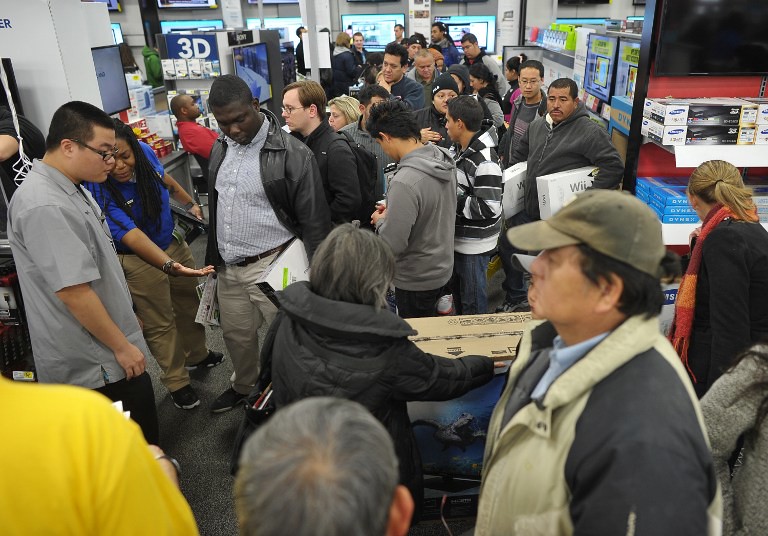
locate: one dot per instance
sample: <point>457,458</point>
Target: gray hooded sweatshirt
<point>421,217</point>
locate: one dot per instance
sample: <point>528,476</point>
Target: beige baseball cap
<point>614,223</point>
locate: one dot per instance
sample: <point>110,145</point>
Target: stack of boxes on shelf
<point>666,196</point>
<point>201,97</point>
<point>144,133</point>
<point>714,121</point>
<point>190,69</point>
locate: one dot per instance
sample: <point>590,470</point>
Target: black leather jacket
<point>292,183</point>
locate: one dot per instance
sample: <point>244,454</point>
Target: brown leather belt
<point>256,258</point>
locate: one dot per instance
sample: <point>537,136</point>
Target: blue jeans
<point>470,279</point>
<point>515,284</point>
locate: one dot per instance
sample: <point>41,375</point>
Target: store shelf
<point>677,234</point>
<point>691,156</point>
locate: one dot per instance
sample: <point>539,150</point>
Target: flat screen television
<point>199,25</point>
<point>274,1</point>
<point>626,69</point>
<point>187,4</point>
<point>717,37</point>
<point>117,33</point>
<point>601,66</point>
<point>377,30</point>
<point>483,26</point>
<point>581,2</point>
<point>286,26</point>
<point>111,79</point>
<point>251,65</point>
<point>112,5</point>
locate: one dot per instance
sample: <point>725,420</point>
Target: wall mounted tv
<point>483,26</point>
<point>718,37</point>
<point>117,32</point>
<point>274,1</point>
<point>168,26</point>
<point>286,26</point>
<point>187,4</point>
<point>251,65</point>
<point>111,79</point>
<point>601,66</point>
<point>112,5</point>
<point>581,2</point>
<point>377,30</point>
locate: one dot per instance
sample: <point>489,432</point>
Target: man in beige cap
<point>598,430</point>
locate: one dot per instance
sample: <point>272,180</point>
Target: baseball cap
<point>613,223</point>
<point>523,262</point>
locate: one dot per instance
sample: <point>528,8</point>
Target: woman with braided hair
<point>721,308</point>
<point>135,200</point>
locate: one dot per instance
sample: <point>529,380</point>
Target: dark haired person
<point>372,68</point>
<point>478,209</point>
<point>418,221</point>
<point>335,336</point>
<point>81,321</point>
<point>566,138</point>
<point>393,77</point>
<point>484,87</point>
<point>304,115</point>
<point>416,43</point>
<point>195,138</point>
<point>512,74</point>
<point>399,34</point>
<point>460,74</point>
<point>135,199</point>
<point>597,403</point>
<point>720,308</point>
<point>265,190</point>
<point>734,410</point>
<point>369,97</point>
<point>441,38</point>
<point>474,54</point>
<point>300,62</point>
<point>358,49</point>
<point>431,120</point>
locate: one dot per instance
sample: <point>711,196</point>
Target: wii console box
<point>556,189</point>
<point>714,111</point>
<point>290,266</point>
<point>513,199</point>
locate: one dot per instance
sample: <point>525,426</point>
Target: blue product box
<point>669,196</point>
<point>663,182</point>
<point>675,218</point>
<point>670,210</point>
<point>621,115</point>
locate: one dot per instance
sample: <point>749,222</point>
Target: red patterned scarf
<point>685,305</point>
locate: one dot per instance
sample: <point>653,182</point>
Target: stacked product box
<point>159,145</point>
<point>716,121</point>
<point>667,197</point>
<point>190,69</point>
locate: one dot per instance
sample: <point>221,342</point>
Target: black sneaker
<point>521,307</point>
<point>213,359</point>
<point>227,400</point>
<point>185,398</point>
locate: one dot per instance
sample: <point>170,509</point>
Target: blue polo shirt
<point>122,221</point>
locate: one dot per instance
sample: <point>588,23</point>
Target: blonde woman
<point>344,110</point>
<point>721,308</point>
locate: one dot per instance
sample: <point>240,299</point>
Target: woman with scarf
<point>721,306</point>
<point>152,252</point>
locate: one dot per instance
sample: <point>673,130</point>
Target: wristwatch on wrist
<point>174,462</point>
<point>168,266</point>
<point>189,205</point>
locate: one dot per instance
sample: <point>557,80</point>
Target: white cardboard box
<point>290,266</point>
<point>513,200</point>
<point>762,109</point>
<point>556,189</point>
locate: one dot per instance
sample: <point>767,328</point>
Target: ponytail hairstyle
<point>513,63</point>
<point>148,182</point>
<point>718,181</point>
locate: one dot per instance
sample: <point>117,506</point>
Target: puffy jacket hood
<point>430,160</point>
<point>148,51</point>
<point>340,50</point>
<point>462,72</point>
<point>340,318</point>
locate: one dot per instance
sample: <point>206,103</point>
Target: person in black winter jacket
<point>431,120</point>
<point>334,335</point>
<point>345,69</point>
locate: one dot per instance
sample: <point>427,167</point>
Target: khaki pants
<point>243,309</point>
<point>167,306</point>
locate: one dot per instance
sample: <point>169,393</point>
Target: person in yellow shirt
<point>72,464</point>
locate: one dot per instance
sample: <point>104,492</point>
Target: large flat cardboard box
<point>556,189</point>
<point>493,335</point>
<point>290,266</point>
<point>513,200</point>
